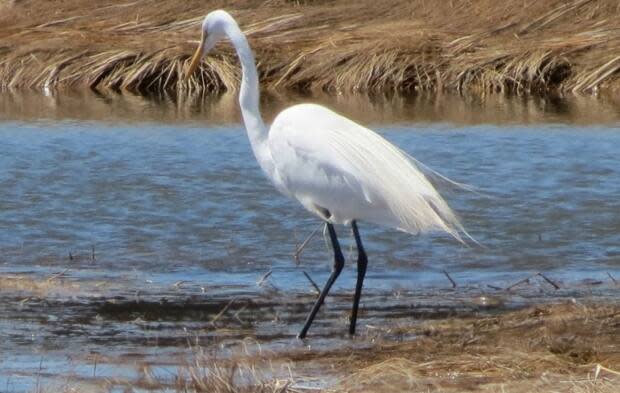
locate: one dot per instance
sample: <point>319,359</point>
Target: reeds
<point>551,348</point>
<point>237,376</point>
<point>569,346</point>
<point>32,287</point>
<point>396,45</point>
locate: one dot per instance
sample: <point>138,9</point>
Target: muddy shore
<point>525,337</point>
<point>397,45</point>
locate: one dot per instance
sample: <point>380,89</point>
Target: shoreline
<point>376,110</point>
<point>482,47</point>
<point>184,340</point>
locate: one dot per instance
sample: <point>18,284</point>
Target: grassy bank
<point>565,348</point>
<point>176,340</point>
<point>561,348</point>
<point>402,45</point>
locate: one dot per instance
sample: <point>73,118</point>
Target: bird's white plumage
<point>338,169</point>
<point>327,161</point>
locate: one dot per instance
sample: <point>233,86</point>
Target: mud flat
<point>66,332</point>
<point>396,45</point>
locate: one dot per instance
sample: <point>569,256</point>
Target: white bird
<point>337,169</point>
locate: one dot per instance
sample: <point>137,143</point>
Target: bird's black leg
<point>362,262</point>
<point>338,265</point>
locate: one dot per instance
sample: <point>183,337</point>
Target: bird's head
<point>214,28</point>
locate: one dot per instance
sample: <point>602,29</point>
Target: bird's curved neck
<point>249,94</point>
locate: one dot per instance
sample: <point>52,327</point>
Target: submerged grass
<point>395,45</point>
<point>37,287</point>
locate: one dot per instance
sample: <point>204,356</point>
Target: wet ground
<point>63,329</point>
<point>135,230</point>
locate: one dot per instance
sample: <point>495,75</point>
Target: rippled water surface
<point>188,198</point>
<point>148,194</point>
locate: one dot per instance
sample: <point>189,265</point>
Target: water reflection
<point>381,109</point>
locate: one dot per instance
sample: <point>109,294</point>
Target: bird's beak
<point>196,58</point>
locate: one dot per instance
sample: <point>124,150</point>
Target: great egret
<point>337,169</point>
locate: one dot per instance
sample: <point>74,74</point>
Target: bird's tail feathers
<point>444,217</point>
<point>449,222</point>
<point>400,181</point>
<point>437,178</point>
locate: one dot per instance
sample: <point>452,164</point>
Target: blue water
<point>190,199</point>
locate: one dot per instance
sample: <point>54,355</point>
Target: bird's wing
<point>319,152</point>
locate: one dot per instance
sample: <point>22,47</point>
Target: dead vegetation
<point>551,348</point>
<point>396,45</point>
<point>206,375</point>
<point>35,287</point>
<point>570,348</point>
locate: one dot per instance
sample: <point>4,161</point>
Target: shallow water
<point>188,198</point>
<point>145,194</point>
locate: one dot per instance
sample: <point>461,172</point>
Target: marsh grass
<point>545,348</point>
<point>555,347</point>
<point>550,348</point>
<point>236,376</point>
<point>396,45</point>
<point>37,287</point>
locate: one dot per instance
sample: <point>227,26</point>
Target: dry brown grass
<point>29,286</point>
<point>481,45</point>
<point>399,375</point>
<point>552,348</point>
<point>547,348</point>
<point>208,376</point>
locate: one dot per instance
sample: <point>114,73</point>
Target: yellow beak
<point>195,59</point>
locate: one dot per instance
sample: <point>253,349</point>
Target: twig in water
<point>494,287</point>
<point>612,278</point>
<point>236,315</point>
<point>316,287</point>
<point>600,368</point>
<point>93,252</point>
<point>39,375</point>
<point>219,314</point>
<point>556,286</point>
<point>525,280</point>
<point>262,279</point>
<point>59,274</point>
<point>450,278</point>
<point>299,249</point>
<point>178,284</point>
